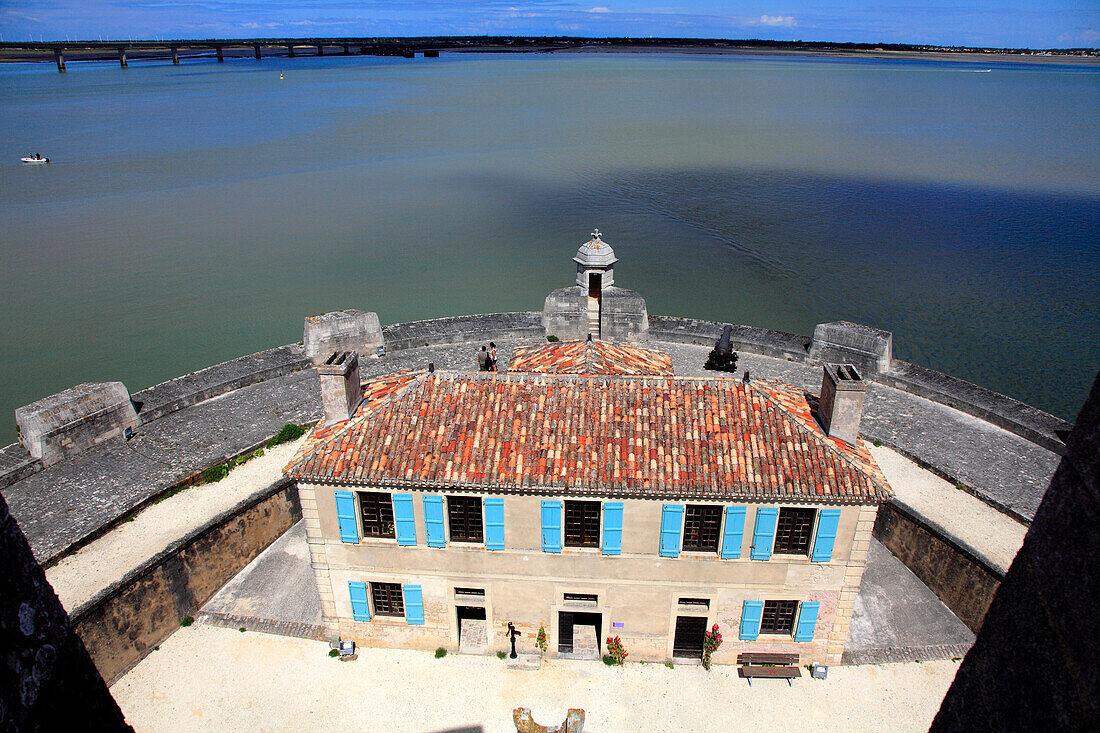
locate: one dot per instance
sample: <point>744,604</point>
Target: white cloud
<point>599,9</point>
<point>784,20</point>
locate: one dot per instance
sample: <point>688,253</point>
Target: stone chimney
<point>841,406</point>
<point>340,388</point>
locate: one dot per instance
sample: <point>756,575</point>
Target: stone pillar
<point>841,406</point>
<point>290,51</point>
<point>176,55</point>
<point>47,680</point>
<point>256,50</point>
<point>59,55</point>
<point>320,50</point>
<point>853,576</point>
<point>221,56</point>
<point>122,56</point>
<point>341,390</point>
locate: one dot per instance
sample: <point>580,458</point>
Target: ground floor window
<point>387,598</point>
<point>778,617</point>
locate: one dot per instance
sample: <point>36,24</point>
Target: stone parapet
<point>623,316</point>
<point>461,329</point>
<point>565,313</point>
<point>69,422</point>
<point>842,342</point>
<point>763,341</point>
<point>346,330</point>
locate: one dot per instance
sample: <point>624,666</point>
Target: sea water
<point>195,213</point>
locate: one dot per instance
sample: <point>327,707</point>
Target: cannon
<point>722,357</point>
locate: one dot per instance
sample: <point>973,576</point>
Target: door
<point>472,629</point>
<point>688,642</point>
<point>595,284</point>
<point>579,634</point>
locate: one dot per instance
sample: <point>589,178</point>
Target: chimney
<point>841,406</point>
<point>340,388</point>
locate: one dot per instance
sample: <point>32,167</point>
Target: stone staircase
<point>594,317</point>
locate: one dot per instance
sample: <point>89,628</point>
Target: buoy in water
<point>280,77</point>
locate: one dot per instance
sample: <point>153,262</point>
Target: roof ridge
<point>820,438</point>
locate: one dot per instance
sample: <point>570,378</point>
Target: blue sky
<point>1013,23</point>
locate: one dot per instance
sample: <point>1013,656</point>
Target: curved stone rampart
<point>459,329</point>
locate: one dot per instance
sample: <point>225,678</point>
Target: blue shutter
<point>807,619</point>
<point>403,519</point>
<point>734,532</point>
<point>433,521</point>
<point>751,613</point>
<point>345,515</point>
<point>826,535</point>
<point>612,528</point>
<point>551,526</point>
<point>494,523</point>
<point>763,535</point>
<point>360,611</point>
<point>672,518</point>
<point>414,605</point>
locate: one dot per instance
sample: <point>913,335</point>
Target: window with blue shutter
<point>414,605</point>
<point>345,515</point>
<point>672,519</point>
<point>433,521</point>
<point>763,534</point>
<point>551,526</point>
<point>612,528</point>
<point>403,519</point>
<point>827,521</point>
<point>734,532</point>
<point>807,619</point>
<point>751,612</point>
<point>494,523</point>
<point>360,609</point>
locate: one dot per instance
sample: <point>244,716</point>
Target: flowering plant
<point>540,640</point>
<point>616,651</point>
<point>711,641</point>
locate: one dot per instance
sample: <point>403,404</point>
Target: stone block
<point>66,423</point>
<point>346,330</point>
<point>565,313</point>
<point>843,342</point>
<point>623,316</point>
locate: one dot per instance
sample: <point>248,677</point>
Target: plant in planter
<point>711,641</point>
<point>540,640</point>
<point>615,651</point>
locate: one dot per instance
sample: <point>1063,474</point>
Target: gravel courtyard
<point>210,678</point>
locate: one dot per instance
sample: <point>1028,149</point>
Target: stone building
<point>591,501</point>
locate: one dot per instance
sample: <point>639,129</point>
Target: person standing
<point>492,356</point>
<point>483,359</point>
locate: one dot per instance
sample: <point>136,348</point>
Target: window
<point>697,602</point>
<point>377,511</point>
<point>470,592</point>
<point>582,524</point>
<point>464,513</point>
<point>792,535</point>
<point>778,617</point>
<point>701,523</point>
<point>590,598</point>
<point>387,598</point>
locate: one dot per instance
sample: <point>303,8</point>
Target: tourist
<point>483,359</point>
<point>492,356</point>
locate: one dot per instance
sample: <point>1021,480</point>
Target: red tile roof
<point>590,357</point>
<point>707,438</point>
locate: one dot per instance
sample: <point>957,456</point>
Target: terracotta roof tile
<point>708,438</point>
<point>590,357</point>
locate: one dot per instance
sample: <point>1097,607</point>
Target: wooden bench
<point>772,666</point>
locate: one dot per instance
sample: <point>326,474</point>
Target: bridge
<point>256,47</point>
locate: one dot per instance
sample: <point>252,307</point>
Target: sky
<point>998,23</point>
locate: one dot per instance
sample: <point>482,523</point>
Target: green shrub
<point>878,443</point>
<point>242,629</point>
<point>440,653</point>
<point>501,655</point>
<point>334,652</point>
<point>289,432</point>
<point>670,665</point>
<point>215,474</point>
<point>609,661</point>
<point>552,338</point>
<point>187,621</point>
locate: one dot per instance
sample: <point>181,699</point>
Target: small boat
<point>35,159</point>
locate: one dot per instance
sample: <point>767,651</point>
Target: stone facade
<point>623,314</point>
<point>639,589</point>
<point>346,330</point>
<point>64,424</point>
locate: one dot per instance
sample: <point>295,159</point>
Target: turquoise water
<point>194,213</point>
